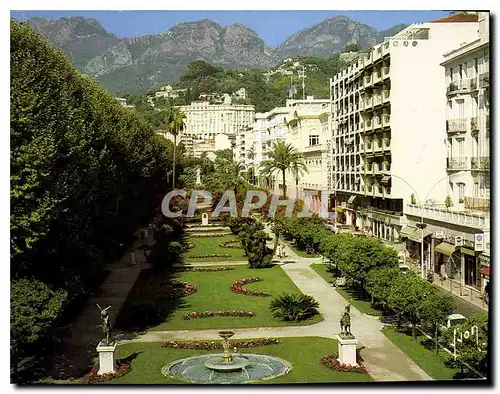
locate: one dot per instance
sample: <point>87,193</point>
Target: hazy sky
<point>272,26</point>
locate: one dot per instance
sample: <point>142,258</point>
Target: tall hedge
<point>85,171</point>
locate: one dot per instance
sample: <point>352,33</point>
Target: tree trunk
<point>413,331</point>
<point>284,185</point>
<point>173,167</point>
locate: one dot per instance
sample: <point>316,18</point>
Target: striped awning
<point>445,248</point>
<point>414,233</point>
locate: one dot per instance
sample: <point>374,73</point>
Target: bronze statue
<point>345,322</point>
<point>106,325</point>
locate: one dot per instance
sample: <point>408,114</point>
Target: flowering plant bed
<point>201,235</point>
<point>201,315</point>
<point>216,345</point>
<point>237,287</point>
<point>187,289</point>
<point>331,362</point>
<point>122,368</point>
<point>204,256</point>
<point>206,269</point>
<point>202,229</point>
<point>231,244</point>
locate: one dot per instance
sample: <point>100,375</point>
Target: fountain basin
<point>257,367</point>
<point>237,364</point>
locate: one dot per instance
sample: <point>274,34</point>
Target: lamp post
<point>420,225</point>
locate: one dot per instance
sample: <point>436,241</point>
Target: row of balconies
<point>481,163</point>
<point>376,190</point>
<point>470,84</point>
<point>481,220</point>
<point>459,125</point>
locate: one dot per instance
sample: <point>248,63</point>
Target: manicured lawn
<point>303,353</point>
<point>364,306</point>
<point>210,245</point>
<point>214,294</point>
<point>427,359</point>
<point>301,253</point>
<point>321,270</point>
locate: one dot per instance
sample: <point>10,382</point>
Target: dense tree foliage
<point>474,349</point>
<point>85,172</point>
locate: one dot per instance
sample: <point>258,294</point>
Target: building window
<point>461,190</point>
<point>476,189</point>
<point>313,140</point>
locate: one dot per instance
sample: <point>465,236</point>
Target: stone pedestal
<point>107,358</point>
<point>204,219</point>
<point>347,350</point>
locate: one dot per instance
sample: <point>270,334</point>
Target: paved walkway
<point>81,338</point>
<point>383,360</point>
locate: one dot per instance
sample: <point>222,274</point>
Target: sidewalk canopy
<point>413,233</point>
<point>445,248</point>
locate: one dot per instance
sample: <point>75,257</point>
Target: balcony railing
<point>457,86</point>
<point>454,163</point>
<point>368,125</point>
<point>386,120</point>
<point>377,146</point>
<point>480,163</point>
<point>368,103</point>
<point>385,72</point>
<point>368,80</point>
<point>456,125</point>
<point>484,80</point>
<point>377,122</point>
<point>377,77</point>
<point>476,219</point>
<point>386,143</point>
<point>377,99</point>
<point>385,95</point>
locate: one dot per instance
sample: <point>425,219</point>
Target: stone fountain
<point>226,368</point>
<point>227,362</point>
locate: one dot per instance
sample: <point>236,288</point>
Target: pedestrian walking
<point>133,259</point>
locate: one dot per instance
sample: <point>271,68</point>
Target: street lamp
<point>420,225</point>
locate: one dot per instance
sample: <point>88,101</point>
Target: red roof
<point>485,271</point>
<point>459,17</point>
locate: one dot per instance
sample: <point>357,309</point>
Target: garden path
<point>383,360</point>
<point>77,346</point>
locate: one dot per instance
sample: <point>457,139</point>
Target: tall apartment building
<point>388,122</point>
<point>460,239</point>
<point>204,120</point>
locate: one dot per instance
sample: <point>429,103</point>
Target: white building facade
<point>204,120</point>
<point>389,130</point>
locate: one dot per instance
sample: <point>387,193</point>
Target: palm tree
<point>298,172</point>
<point>174,120</point>
<point>282,157</point>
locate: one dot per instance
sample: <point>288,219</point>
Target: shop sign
<point>439,234</point>
<point>459,241</point>
<point>478,242</point>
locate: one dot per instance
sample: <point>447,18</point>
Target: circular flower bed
<point>207,269</point>
<point>237,287</point>
<point>216,345</point>
<point>204,256</point>
<point>234,244</point>
<point>331,362</point>
<point>201,315</point>
<point>122,367</point>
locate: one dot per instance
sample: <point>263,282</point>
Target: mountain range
<point>136,65</point>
